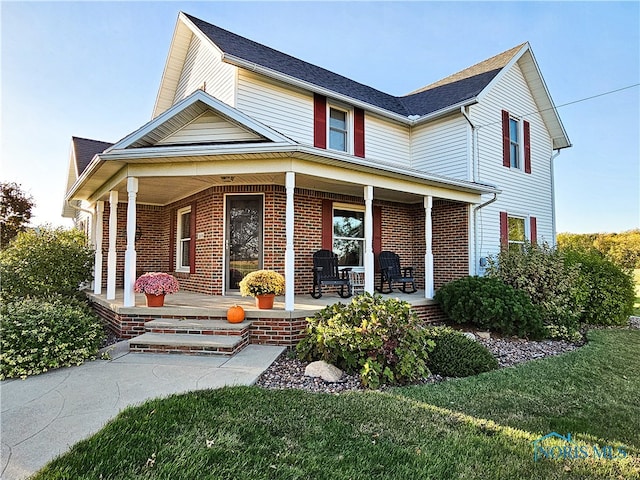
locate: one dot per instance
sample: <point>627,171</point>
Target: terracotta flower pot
<point>265,301</point>
<point>154,300</point>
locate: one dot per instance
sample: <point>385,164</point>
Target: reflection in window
<point>183,262</point>
<point>338,130</point>
<point>517,233</point>
<point>348,237</point>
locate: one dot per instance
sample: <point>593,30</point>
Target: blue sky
<point>93,69</point>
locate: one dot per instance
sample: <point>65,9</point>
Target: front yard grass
<point>474,428</point>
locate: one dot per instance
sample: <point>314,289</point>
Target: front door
<point>244,238</point>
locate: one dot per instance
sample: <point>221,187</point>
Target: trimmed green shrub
<point>41,334</point>
<point>542,273</point>
<point>608,290</point>
<point>455,355</point>
<point>490,304</point>
<point>381,339</point>
<point>45,261</point>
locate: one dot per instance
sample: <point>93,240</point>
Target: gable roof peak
<point>495,63</point>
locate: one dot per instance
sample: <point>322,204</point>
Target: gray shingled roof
<point>85,149</point>
<point>460,87</point>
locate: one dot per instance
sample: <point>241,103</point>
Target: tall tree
<point>15,211</point>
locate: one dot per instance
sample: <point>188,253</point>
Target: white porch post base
<point>289,254</point>
<point>111,255</point>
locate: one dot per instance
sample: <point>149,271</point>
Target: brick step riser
<point>188,349</point>
<point>180,331</point>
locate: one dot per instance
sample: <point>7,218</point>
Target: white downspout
<point>553,197</point>
<point>473,174</point>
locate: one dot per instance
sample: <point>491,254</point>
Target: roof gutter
<point>268,72</point>
<point>407,120</point>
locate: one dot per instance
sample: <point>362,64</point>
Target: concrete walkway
<point>43,416</point>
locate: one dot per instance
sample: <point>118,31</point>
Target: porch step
<point>188,343</point>
<point>199,327</point>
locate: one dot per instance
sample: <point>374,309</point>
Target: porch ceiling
<point>166,190</point>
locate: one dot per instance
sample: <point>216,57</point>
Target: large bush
<point>381,339</point>
<point>608,290</point>
<point>490,304</point>
<point>45,261</point>
<point>455,355</point>
<point>38,335</point>
<point>542,273</point>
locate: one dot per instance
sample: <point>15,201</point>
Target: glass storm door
<point>244,238</point>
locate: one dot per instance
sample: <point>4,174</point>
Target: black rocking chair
<point>325,272</point>
<point>390,272</point>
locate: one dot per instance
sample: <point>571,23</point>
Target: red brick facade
<point>402,228</point>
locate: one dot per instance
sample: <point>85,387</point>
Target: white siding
<point>522,194</point>
<point>286,110</point>
<point>209,127</point>
<point>386,141</point>
<point>203,64</point>
<point>442,147</point>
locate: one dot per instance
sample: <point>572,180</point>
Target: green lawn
<point>474,428</point>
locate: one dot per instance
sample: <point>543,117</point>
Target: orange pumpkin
<point>235,314</point>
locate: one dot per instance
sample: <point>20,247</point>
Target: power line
<point>569,103</point>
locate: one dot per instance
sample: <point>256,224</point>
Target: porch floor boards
<point>198,305</point>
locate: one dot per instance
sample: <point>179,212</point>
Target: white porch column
<point>111,255</point>
<point>97,242</point>
<point>130,253</point>
<point>289,254</point>
<point>428,257</point>
<point>369,271</point>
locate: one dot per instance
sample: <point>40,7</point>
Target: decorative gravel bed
<point>288,372</point>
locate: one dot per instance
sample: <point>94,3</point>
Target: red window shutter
<point>327,225</point>
<point>527,147</point>
<point>172,240</point>
<point>533,230</point>
<point>504,230</point>
<point>319,121</point>
<point>192,243</point>
<point>358,132</point>
<point>506,141</point>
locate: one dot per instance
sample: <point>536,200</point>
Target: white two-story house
<point>256,159</point>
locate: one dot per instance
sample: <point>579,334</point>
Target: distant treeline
<point>621,248</point>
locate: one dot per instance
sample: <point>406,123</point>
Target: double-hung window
<point>338,129</point>
<point>514,144</point>
<point>348,235</point>
<point>183,247</point>
<point>517,233</point>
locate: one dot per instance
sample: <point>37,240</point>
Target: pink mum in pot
<point>156,283</point>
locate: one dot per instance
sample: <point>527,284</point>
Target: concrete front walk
<point>44,415</point>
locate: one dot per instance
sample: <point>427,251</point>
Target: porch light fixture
<point>227,178</point>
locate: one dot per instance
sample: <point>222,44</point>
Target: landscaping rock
<point>484,335</point>
<point>326,371</point>
<point>469,335</point>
